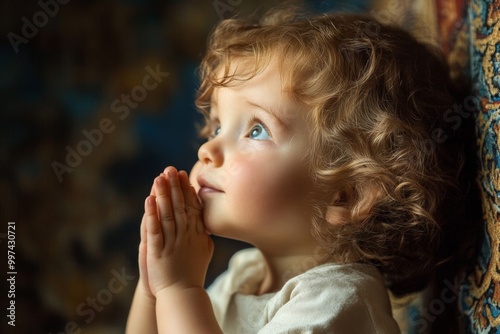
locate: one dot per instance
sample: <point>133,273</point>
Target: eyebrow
<point>270,112</point>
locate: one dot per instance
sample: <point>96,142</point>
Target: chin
<point>210,226</point>
<point>218,229</point>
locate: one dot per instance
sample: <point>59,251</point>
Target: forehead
<point>266,87</point>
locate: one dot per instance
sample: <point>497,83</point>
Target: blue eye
<point>259,132</point>
<point>216,131</point>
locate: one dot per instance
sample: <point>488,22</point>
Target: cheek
<point>261,188</point>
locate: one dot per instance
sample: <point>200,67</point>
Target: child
<point>327,151</point>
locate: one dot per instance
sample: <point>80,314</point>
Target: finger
<point>143,228</point>
<point>164,209</point>
<point>153,191</point>
<point>178,204</point>
<point>153,188</point>
<point>198,223</point>
<point>153,228</point>
<point>196,200</point>
<point>193,175</point>
<point>191,209</point>
<point>167,169</point>
<point>142,245</point>
<point>160,188</point>
<point>184,182</point>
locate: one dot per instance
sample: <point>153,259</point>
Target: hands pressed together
<point>175,248</point>
<point>174,254</point>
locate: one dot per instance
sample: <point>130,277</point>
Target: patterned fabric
<point>471,39</point>
<point>480,293</point>
<point>468,33</point>
<point>75,235</point>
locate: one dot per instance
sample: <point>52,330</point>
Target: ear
<point>345,209</point>
<point>337,215</point>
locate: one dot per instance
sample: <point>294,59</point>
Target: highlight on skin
<point>371,109</point>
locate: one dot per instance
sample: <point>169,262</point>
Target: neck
<point>282,267</point>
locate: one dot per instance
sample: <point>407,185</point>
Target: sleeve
<point>332,304</point>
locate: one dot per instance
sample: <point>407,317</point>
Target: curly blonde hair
<point>380,148</point>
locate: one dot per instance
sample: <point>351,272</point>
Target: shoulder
<point>348,278</point>
<point>345,278</point>
<point>340,298</point>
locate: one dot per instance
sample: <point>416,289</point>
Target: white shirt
<point>330,298</point>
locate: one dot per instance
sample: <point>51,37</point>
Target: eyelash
<point>213,124</point>
<point>255,120</point>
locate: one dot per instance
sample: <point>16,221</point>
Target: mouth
<point>207,187</point>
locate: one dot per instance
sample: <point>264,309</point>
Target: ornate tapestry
<point>480,292</point>
<point>77,231</point>
<point>470,38</point>
<point>468,32</point>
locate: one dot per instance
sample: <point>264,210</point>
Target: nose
<point>211,153</point>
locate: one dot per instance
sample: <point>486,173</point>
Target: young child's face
<point>250,175</point>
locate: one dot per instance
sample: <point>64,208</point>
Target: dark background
<point>75,232</point>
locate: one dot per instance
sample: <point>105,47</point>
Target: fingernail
<point>161,180</point>
<point>172,173</point>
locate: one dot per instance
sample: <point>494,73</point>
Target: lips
<point>207,186</point>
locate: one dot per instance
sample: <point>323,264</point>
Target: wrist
<point>175,291</point>
<point>189,308</point>
<point>145,293</point>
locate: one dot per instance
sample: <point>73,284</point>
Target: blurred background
<point>96,100</point>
